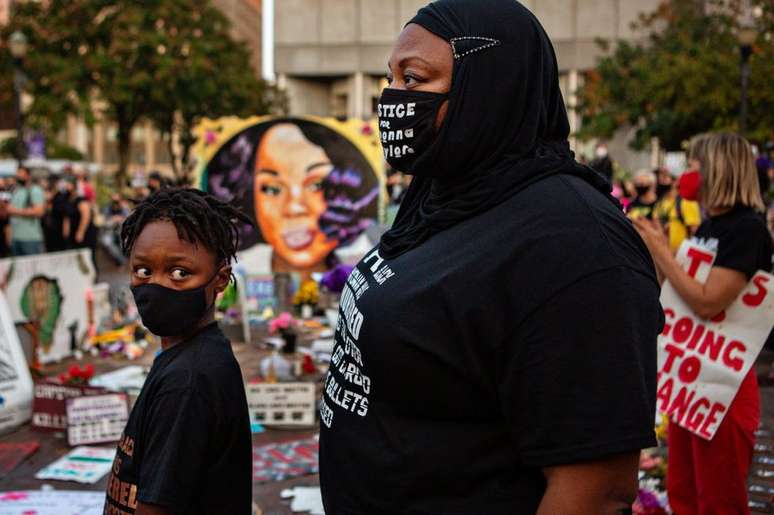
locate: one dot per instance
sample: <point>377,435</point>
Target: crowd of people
<point>58,212</point>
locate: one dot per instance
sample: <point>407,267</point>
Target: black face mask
<point>641,190</point>
<point>663,189</point>
<point>407,125</point>
<point>168,312</point>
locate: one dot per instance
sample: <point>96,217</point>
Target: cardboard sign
<point>278,462</point>
<point>13,453</point>
<point>82,465</point>
<point>51,502</point>
<point>15,379</point>
<point>701,362</point>
<point>281,403</point>
<point>49,409</point>
<point>47,294</point>
<point>96,418</point>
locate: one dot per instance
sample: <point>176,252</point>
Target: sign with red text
<point>49,411</point>
<point>701,362</point>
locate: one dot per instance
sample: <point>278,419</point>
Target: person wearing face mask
<point>680,215</point>
<point>496,352</point>
<point>187,445</point>
<point>710,477</point>
<point>27,207</point>
<point>645,200</point>
<point>602,163</point>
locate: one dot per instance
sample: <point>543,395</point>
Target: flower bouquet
<point>286,326</point>
<point>307,296</point>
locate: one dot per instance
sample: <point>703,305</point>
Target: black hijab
<point>506,125</point>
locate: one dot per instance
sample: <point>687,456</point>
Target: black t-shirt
<point>521,338</point>
<point>187,445</point>
<point>740,239</point>
<point>74,214</point>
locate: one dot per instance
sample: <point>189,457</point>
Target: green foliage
<point>683,79</point>
<point>171,61</point>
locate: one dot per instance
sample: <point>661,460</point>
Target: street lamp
<point>746,36</point>
<point>17,44</point>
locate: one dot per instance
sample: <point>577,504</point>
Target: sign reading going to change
<point>701,362</point>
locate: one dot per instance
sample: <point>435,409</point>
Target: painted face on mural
<point>289,200</point>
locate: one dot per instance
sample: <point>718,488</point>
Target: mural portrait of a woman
<point>308,188</point>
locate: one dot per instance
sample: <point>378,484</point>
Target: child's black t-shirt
<point>187,445</point>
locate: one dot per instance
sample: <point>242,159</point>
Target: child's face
<point>160,257</point>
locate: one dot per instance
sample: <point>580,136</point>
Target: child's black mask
<point>168,312</point>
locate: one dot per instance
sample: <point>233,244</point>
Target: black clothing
<point>740,238</point>
<point>74,215</point>
<point>506,125</point>
<point>603,166</point>
<point>641,209</point>
<point>520,338</point>
<point>187,444</point>
<point>54,221</point>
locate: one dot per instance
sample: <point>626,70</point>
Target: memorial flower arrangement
<point>76,375</point>
<point>307,295</point>
<point>284,324</point>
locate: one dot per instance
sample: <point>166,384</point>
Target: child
<point>187,446</point>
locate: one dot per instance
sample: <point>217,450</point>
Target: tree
<point>130,60</point>
<point>203,72</point>
<point>683,79</point>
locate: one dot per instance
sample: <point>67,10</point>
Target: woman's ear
<point>222,279</point>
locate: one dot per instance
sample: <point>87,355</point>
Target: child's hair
<point>727,167</point>
<point>198,217</point>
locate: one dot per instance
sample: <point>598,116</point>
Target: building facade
<point>331,55</point>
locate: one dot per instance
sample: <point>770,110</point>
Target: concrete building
<point>330,55</point>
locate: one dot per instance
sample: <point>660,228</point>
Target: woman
<point>78,227</point>
<point>496,353</point>
<point>310,189</point>
<point>710,477</point>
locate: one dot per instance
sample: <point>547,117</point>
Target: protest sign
<point>47,294</point>
<point>256,294</point>
<point>701,362</point>
<point>281,403</point>
<point>278,462</point>
<point>96,418</point>
<point>49,410</point>
<point>51,502</point>
<point>15,379</point>
<point>13,453</point>
<point>82,465</point>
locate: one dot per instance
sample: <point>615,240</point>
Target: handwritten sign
<point>15,379</point>
<point>49,410</point>
<point>702,362</point>
<point>51,502</point>
<point>82,465</point>
<point>96,418</point>
<point>281,403</point>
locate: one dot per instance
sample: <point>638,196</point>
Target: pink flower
<point>282,322</point>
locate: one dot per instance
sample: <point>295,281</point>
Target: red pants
<point>710,477</point>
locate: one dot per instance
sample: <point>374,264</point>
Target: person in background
<point>28,205</point>
<point>710,477</point>
<point>114,214</point>
<point>680,216</point>
<point>5,229</point>
<point>155,182</point>
<point>78,228</point>
<point>85,188</point>
<point>644,203</point>
<point>664,182</point>
<point>602,163</point>
<point>56,212</point>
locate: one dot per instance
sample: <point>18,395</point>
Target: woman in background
<point>710,477</point>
